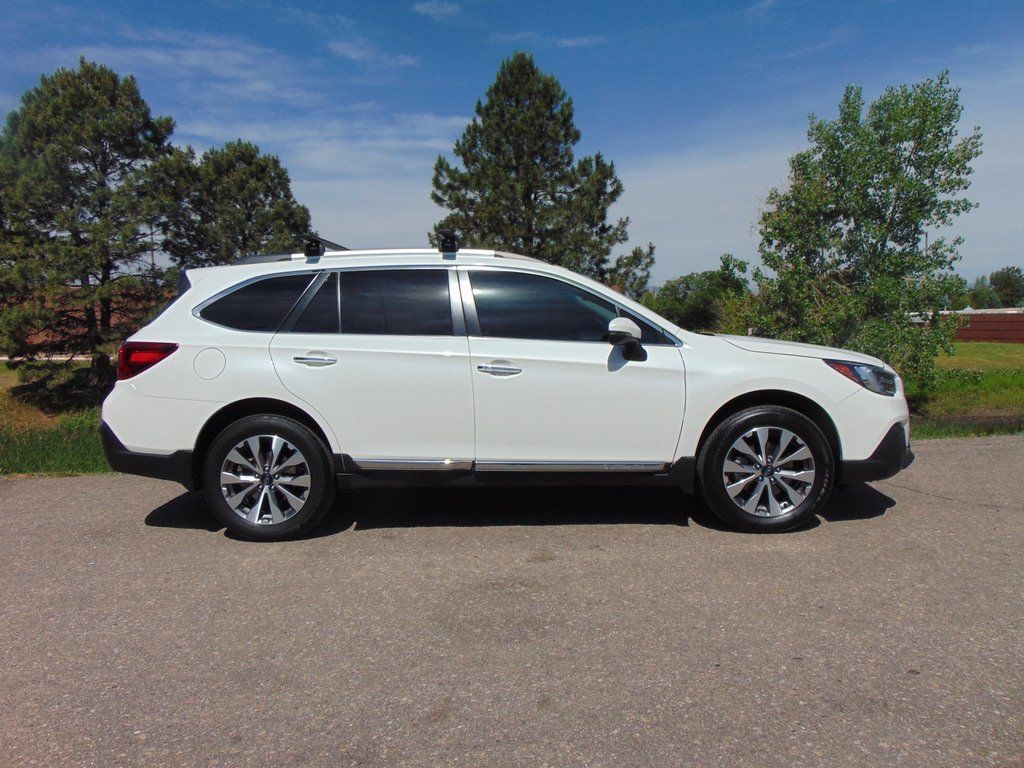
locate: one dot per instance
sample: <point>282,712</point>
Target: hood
<point>779,347</point>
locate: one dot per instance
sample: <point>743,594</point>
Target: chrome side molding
<point>571,466</point>
<point>413,465</point>
<point>465,465</point>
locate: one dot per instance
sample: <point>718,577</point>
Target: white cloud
<point>515,37</point>
<point>698,204</point>
<point>365,52</point>
<point>993,233</point>
<point>835,37</point>
<point>205,69</point>
<point>436,9</point>
<point>584,41</point>
<point>539,40</point>
<point>364,172</point>
<point>761,7</point>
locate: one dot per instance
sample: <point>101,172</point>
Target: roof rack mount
<point>317,246</point>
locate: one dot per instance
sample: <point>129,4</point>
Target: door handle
<point>315,361</point>
<point>499,370</point>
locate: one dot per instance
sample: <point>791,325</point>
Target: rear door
<point>380,353</point>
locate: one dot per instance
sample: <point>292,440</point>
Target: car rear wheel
<point>766,468</point>
<point>268,478</point>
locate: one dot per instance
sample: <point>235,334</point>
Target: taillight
<point>136,356</point>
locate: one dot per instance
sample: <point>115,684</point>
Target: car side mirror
<point>622,331</point>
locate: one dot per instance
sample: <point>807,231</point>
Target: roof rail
<point>315,246</point>
<point>263,258</point>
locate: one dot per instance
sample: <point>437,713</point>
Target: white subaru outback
<point>272,383</point>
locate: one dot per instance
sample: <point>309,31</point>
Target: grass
<point>983,356</point>
<point>71,446</point>
<point>36,442</point>
<point>980,392</point>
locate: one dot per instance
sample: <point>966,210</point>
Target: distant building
<point>1005,325</point>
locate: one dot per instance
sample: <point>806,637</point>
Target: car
<point>274,383</point>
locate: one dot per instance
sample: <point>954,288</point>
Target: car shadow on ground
<point>579,505</point>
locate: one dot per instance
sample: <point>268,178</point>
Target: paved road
<point>564,628</point>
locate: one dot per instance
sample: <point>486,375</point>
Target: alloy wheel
<point>768,471</point>
<point>265,479</point>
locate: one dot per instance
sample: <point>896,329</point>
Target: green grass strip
<point>68,448</point>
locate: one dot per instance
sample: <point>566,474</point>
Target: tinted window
<point>321,314</point>
<point>521,306</point>
<point>408,302</point>
<point>259,306</point>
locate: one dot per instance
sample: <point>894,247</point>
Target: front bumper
<point>175,466</point>
<point>892,455</point>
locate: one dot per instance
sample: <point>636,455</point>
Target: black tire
<point>780,513</point>
<point>314,463</point>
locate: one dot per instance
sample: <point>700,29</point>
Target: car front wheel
<point>268,477</point>
<point>766,468</point>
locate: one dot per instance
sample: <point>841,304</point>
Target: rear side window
<point>407,302</point>
<point>259,306</point>
<point>515,305</point>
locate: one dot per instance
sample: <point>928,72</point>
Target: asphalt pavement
<point>532,627</point>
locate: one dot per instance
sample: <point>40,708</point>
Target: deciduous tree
<point>698,301</point>
<point>842,249</point>
<point>1008,283</point>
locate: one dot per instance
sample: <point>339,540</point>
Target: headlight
<point>871,377</point>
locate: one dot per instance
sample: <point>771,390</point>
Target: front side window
<point>648,333</point>
<point>259,306</point>
<point>517,305</point>
<point>406,302</point>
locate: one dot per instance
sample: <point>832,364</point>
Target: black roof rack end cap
<point>448,241</point>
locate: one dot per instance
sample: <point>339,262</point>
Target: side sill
<point>353,475</point>
<point>175,466</point>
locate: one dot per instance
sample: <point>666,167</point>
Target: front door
<point>550,391</point>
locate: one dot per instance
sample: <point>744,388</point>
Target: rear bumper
<point>892,455</point>
<point>175,466</point>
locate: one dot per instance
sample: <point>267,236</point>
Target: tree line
<point>92,192</point>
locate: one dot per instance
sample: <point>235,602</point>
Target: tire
<point>289,496</point>
<point>766,469</point>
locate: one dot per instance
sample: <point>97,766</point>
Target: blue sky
<point>698,104</point>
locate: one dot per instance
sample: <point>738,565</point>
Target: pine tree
<point>631,272</point>
<point>519,186</point>
<point>235,201</point>
<point>77,217</point>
